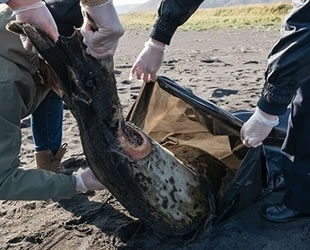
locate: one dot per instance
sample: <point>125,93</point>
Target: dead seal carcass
<point>148,180</point>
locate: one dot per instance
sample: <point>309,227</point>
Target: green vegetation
<point>251,16</point>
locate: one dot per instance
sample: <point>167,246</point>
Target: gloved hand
<point>257,128</point>
<point>148,61</point>
<point>38,15</point>
<point>103,42</point>
<point>87,181</point>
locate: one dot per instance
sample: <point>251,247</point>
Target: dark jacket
<point>288,65</point>
<point>67,15</point>
<point>172,14</point>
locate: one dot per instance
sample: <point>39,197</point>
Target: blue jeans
<point>46,123</point>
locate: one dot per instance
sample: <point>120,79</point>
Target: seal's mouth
<point>135,143</point>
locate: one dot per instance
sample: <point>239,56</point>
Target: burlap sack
<point>174,124</point>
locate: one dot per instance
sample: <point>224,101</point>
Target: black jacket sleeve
<point>172,14</point>
<point>67,15</point>
<point>288,65</point>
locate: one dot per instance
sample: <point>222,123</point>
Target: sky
<point>123,2</point>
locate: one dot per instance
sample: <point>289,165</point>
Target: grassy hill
<point>251,16</point>
<point>152,5</point>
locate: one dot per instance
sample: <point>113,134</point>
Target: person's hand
<point>36,13</point>
<point>101,43</point>
<point>148,61</point>
<point>87,181</point>
<point>257,128</point>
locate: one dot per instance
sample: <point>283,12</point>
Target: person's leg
<point>297,144</point>
<point>296,201</point>
<point>46,124</point>
<point>298,181</point>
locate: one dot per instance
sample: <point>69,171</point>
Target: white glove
<point>87,181</point>
<point>103,42</point>
<point>38,15</point>
<point>257,128</point>
<point>148,61</point>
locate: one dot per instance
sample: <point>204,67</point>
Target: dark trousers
<point>297,144</point>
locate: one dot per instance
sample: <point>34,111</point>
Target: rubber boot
<point>47,161</point>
